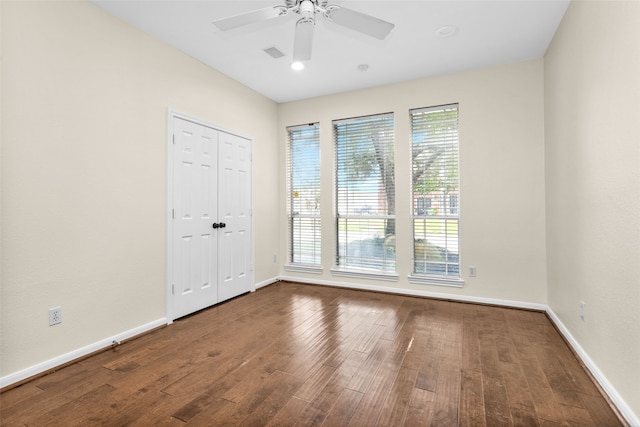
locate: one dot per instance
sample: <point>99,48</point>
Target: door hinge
<point>173,289</point>
<point>173,214</point>
<point>173,137</point>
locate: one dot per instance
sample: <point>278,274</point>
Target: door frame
<point>171,116</point>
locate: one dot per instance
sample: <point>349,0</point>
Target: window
<point>453,204</point>
<point>304,194</point>
<point>423,204</point>
<point>435,177</point>
<point>365,193</point>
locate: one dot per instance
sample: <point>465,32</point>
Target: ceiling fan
<point>307,9</point>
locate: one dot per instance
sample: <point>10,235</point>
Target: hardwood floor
<point>312,355</point>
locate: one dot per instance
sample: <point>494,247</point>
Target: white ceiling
<point>488,33</point>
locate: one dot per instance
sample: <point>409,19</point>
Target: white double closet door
<point>211,228</point>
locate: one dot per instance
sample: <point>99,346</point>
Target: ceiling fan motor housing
<point>307,10</point>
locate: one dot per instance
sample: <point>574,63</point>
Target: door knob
<point>223,225</point>
<point>215,225</point>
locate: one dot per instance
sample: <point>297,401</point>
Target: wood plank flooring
<point>293,354</point>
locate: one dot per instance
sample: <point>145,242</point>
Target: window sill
<point>304,268</point>
<point>437,281</point>
<point>364,274</point>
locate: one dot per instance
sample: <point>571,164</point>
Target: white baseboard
<point>617,400</point>
<point>418,293</point>
<point>267,282</point>
<point>76,354</point>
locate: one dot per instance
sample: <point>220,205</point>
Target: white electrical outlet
<point>275,259</point>
<point>55,316</point>
<point>582,304</point>
<point>472,271</point>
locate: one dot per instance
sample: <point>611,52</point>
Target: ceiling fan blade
<point>247,18</point>
<point>303,40</point>
<point>361,22</point>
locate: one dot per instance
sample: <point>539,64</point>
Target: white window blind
<point>436,191</point>
<point>304,194</point>
<point>365,191</point>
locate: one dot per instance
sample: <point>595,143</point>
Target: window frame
<point>355,131</point>
<point>448,219</point>
<point>295,256</point>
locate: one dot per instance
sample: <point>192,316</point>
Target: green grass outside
<point>434,226</point>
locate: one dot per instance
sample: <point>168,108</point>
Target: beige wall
<point>84,121</point>
<point>501,165</point>
<point>592,114</point>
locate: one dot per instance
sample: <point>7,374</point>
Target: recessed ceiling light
<point>446,31</point>
<point>363,67</point>
<point>297,66</point>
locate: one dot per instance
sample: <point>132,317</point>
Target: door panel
<point>234,195</point>
<point>195,208</point>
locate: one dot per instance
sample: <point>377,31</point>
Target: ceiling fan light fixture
<point>297,66</point>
